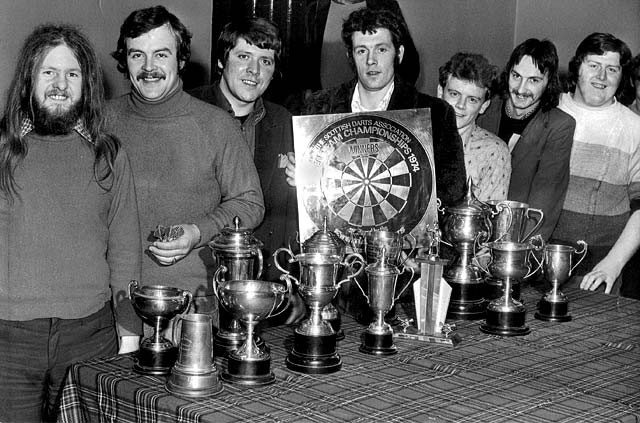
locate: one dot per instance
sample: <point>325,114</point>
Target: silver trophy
<point>557,268</point>
<point>510,261</point>
<point>511,223</point>
<point>382,279</point>
<point>250,301</point>
<point>314,349</point>
<point>157,305</point>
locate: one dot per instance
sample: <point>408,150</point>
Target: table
<point>586,370</point>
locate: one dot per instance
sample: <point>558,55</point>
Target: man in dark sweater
<point>248,52</point>
<point>192,168</point>
<point>69,232</point>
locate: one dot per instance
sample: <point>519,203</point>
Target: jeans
<point>35,355</point>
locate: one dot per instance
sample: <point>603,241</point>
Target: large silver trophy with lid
<point>238,256</point>
<point>466,226</point>
<point>314,350</point>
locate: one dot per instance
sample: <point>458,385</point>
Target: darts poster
<point>364,171</point>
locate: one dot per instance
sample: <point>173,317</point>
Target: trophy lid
<point>325,242</point>
<point>382,265</point>
<point>235,239</point>
<point>470,205</point>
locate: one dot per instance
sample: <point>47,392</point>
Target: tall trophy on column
<point>238,256</point>
<point>557,268</point>
<point>314,350</point>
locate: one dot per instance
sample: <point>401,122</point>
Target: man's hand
<point>606,272</point>
<point>297,309</point>
<point>129,343</point>
<point>168,253</point>
<point>290,169</point>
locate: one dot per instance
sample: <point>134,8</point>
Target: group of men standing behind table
<point>69,222</point>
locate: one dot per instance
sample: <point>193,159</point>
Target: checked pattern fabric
<point>582,371</point>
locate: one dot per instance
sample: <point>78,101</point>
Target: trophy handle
<point>413,247</point>
<point>275,258</point>
<point>583,252</point>
<point>439,205</point>
<point>413,273</point>
<point>538,267</point>
<point>287,280</point>
<point>349,261</point>
<point>500,207</point>
<point>177,322</point>
<point>540,219</point>
<point>361,290</point>
<point>134,285</point>
<point>216,278</point>
<point>260,263</point>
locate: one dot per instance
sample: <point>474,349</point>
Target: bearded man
<point>69,228</point>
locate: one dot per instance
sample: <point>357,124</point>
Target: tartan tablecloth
<point>585,370</point>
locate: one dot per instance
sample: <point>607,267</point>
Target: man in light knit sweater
<point>191,166</point>
<point>602,205</point>
<point>69,231</point>
<point>465,83</point>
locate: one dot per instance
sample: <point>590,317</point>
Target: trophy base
<point>553,311</point>
<point>157,363</point>
<point>226,342</point>
<point>314,354</point>
<point>494,288</point>
<point>193,385</point>
<point>248,372</point>
<point>378,344</point>
<point>467,301</point>
<point>505,323</point>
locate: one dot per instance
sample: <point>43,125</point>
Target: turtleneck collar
<point>172,105</point>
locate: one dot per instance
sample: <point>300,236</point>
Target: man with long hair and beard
<point>69,228</point>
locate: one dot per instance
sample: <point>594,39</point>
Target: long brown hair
<point>20,102</point>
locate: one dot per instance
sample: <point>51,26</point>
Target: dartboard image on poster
<point>365,171</point>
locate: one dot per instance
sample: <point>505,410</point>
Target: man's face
<point>598,79</point>
<point>526,86</point>
<point>467,99</point>
<point>247,73</point>
<point>152,59</point>
<point>58,82</point>
<point>374,56</point>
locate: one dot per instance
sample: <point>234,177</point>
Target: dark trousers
<point>35,355</point>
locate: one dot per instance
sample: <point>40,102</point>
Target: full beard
<point>57,122</point>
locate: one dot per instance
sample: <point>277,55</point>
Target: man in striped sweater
<point>602,205</point>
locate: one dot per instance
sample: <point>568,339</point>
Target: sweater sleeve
<point>124,247</point>
<point>240,190</point>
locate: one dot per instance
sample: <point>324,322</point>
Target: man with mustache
<point>248,52</point>
<point>191,166</point>
<point>602,205</point>
<point>538,134</point>
<point>69,230</point>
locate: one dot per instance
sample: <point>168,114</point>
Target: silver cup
<point>392,242</point>
<point>195,373</point>
<point>251,301</point>
<point>510,223</point>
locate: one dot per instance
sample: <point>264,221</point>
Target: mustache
<point>57,91</point>
<point>152,74</point>
<point>516,92</point>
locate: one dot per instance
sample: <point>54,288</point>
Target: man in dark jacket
<point>374,46</point>
<point>248,52</point>
<point>539,134</point>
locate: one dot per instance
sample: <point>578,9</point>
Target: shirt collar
<point>356,105</point>
<point>27,126</point>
